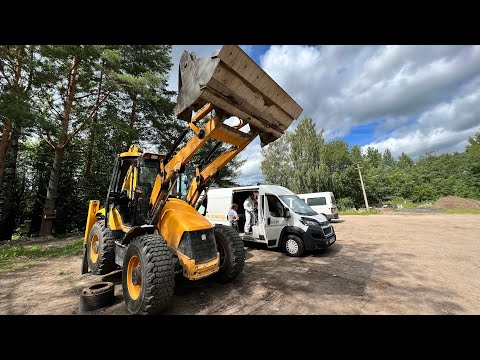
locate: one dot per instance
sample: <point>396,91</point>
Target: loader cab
<point>131,185</point>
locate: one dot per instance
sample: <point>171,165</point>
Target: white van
<point>322,202</point>
<point>282,219</point>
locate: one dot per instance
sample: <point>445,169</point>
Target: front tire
<point>293,246</point>
<point>101,249</point>
<point>232,253</point>
<point>148,275</point>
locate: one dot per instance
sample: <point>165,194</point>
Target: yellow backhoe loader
<point>145,226</point>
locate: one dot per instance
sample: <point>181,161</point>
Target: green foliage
<point>303,162</point>
<point>275,165</point>
<point>473,164</point>
<point>345,203</point>
<point>128,84</point>
<point>395,200</point>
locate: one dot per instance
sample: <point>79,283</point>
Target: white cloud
<point>344,86</point>
<point>250,172</point>
<point>443,128</point>
<point>407,89</point>
<point>423,98</point>
<point>418,142</point>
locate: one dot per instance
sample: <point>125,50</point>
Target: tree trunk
<point>91,139</point>
<point>49,207</point>
<point>133,114</point>
<point>91,142</point>
<point>40,194</point>
<point>7,128</point>
<point>9,190</point>
<point>52,191</point>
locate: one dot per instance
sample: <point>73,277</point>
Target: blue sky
<point>411,99</point>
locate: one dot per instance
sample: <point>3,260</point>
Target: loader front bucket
<point>233,83</point>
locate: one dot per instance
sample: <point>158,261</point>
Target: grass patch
<point>8,255</point>
<point>407,204</point>
<point>37,251</point>
<point>359,212</point>
<point>460,211</point>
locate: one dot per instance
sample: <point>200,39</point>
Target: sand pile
<point>455,202</point>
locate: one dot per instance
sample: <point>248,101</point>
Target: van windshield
<point>333,200</point>
<point>297,205</point>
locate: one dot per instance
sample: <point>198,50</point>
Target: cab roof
<point>136,151</point>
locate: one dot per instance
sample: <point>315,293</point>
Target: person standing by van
<point>233,217</point>
<point>248,205</point>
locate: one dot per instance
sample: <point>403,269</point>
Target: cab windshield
<point>297,205</point>
<point>148,173</point>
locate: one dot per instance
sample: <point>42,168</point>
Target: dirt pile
<point>455,202</point>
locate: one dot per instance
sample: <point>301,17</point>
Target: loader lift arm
<point>172,165</point>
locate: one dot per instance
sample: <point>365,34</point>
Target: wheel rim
<point>292,246</point>
<point>94,245</point>
<point>134,281</point>
<point>221,250</point>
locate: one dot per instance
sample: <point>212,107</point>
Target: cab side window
<point>275,206</point>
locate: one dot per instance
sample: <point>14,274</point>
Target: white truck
<point>322,202</point>
<point>282,219</point>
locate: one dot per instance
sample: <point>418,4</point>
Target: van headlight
<point>309,222</point>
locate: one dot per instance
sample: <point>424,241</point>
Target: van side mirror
<point>286,213</point>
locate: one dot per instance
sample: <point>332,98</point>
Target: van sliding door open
<point>274,221</point>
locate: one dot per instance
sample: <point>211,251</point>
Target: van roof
<point>272,189</point>
<point>325,193</point>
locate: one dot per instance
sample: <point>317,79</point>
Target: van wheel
<point>293,246</point>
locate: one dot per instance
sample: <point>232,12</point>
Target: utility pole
<point>363,187</point>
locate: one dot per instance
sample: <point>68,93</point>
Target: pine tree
<point>17,115</point>
<point>67,89</point>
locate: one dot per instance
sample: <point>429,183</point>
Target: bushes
<point>345,203</point>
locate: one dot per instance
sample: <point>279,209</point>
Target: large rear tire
<point>101,249</point>
<point>148,275</point>
<point>232,253</point>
